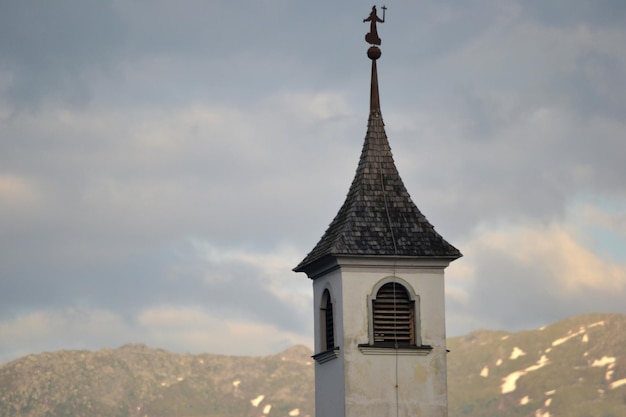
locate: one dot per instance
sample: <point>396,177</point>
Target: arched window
<point>393,316</point>
<point>326,321</point>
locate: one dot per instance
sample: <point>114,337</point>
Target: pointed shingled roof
<point>378,217</point>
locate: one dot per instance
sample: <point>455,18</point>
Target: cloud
<point>185,329</point>
<point>17,194</point>
<point>614,221</point>
<point>179,329</point>
<point>245,284</point>
<point>196,297</point>
<point>526,275</point>
<point>118,191</point>
<point>55,329</point>
<point>51,51</point>
<point>182,158</point>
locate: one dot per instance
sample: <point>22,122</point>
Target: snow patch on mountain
<point>516,353</point>
<point>603,361</point>
<point>568,337</point>
<point>255,402</point>
<point>617,383</point>
<point>607,361</point>
<point>510,382</point>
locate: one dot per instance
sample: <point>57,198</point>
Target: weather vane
<point>372,37</point>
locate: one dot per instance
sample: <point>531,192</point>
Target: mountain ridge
<point>574,367</point>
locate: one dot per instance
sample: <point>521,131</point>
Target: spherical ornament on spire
<point>373,53</point>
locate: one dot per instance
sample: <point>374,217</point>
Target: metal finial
<point>374,53</point>
<point>372,37</point>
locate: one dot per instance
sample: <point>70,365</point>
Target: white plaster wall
<point>363,385</point>
<point>371,379</point>
<point>329,376</point>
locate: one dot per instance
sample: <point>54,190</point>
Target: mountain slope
<point>137,381</point>
<point>574,368</point>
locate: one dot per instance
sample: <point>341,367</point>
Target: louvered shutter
<point>393,316</point>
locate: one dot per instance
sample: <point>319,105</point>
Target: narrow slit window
<point>328,333</point>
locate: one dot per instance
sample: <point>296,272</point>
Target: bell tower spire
<point>378,286</point>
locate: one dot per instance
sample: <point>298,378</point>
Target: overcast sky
<point>164,164</point>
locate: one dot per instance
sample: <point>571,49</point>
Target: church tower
<point>378,284</point>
